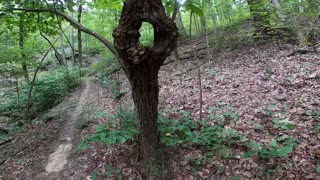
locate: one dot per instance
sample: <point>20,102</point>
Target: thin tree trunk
<point>79,37</point>
<point>72,42</point>
<point>63,52</point>
<point>23,55</point>
<point>190,26</point>
<point>182,30</point>
<point>196,23</point>
<point>17,81</point>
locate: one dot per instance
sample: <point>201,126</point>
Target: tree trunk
<point>182,30</point>
<point>23,55</point>
<point>145,92</point>
<point>80,37</point>
<point>72,42</point>
<point>190,26</point>
<point>63,52</point>
<point>142,64</point>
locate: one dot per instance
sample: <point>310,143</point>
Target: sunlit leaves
<point>194,6</point>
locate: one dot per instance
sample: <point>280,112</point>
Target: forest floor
<point>261,82</point>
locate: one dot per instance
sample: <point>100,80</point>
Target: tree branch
<point>175,11</point>
<point>74,23</point>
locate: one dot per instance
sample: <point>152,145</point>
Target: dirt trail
<point>58,159</point>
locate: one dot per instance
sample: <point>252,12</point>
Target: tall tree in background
<point>22,34</point>
<point>80,36</point>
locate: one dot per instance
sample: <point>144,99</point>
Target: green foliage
<point>318,169</point>
<point>280,147</point>
<point>3,137</point>
<point>317,128</point>
<point>194,6</point>
<point>50,88</point>
<point>113,171</point>
<point>268,110</point>
<point>121,128</point>
<point>210,138</point>
<point>147,34</point>
<point>112,86</point>
<point>283,124</point>
<point>104,66</point>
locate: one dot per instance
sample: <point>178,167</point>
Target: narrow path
<point>58,159</point>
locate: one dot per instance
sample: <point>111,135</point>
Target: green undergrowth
<point>112,86</point>
<point>49,89</point>
<point>213,137</point>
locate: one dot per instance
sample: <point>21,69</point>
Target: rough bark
<point>142,64</point>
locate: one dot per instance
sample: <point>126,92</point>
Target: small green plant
<point>283,124</point>
<point>3,136</point>
<point>217,74</point>
<point>317,128</point>
<point>291,78</point>
<point>223,113</point>
<point>268,110</point>
<point>125,130</point>
<point>280,147</point>
<point>210,138</point>
<point>112,86</point>
<point>318,169</point>
<point>113,171</point>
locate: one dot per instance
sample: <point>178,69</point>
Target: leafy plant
<point>126,130</point>
<point>268,110</point>
<point>183,131</point>
<point>280,147</point>
<point>283,124</point>
<point>317,128</point>
<point>112,86</point>
<point>318,169</point>
<point>113,171</point>
<point>49,90</point>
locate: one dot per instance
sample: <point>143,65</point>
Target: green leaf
<point>249,154</point>
<point>284,151</point>
<point>318,169</point>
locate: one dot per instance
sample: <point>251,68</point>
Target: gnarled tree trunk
<point>142,64</point>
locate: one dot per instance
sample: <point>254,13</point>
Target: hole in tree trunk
<point>147,34</point>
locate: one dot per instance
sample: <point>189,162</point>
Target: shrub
<point>49,90</point>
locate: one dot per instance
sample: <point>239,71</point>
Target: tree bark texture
<point>142,64</point>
